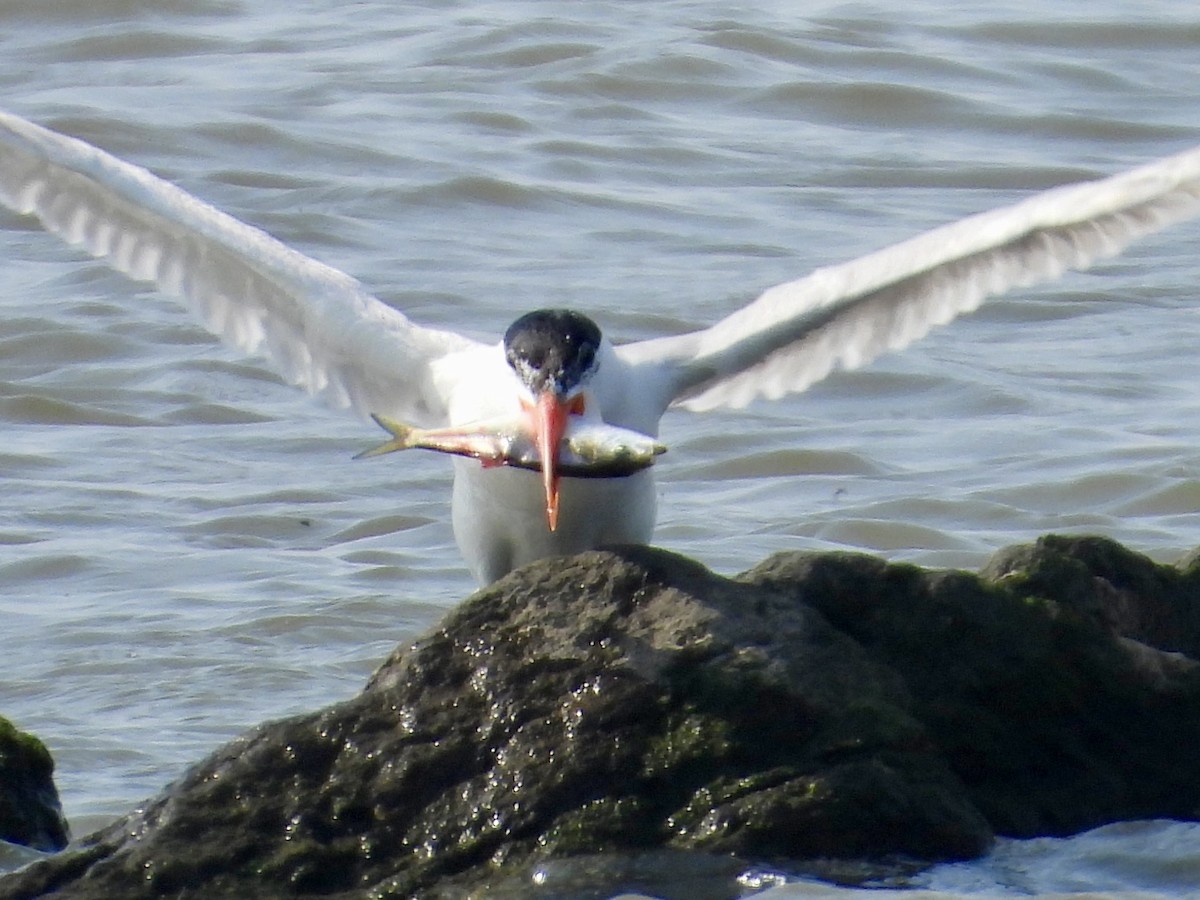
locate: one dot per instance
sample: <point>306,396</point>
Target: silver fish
<point>588,450</point>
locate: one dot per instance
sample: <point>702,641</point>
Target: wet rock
<point>591,717</point>
<point>30,813</point>
<point>1061,686</point>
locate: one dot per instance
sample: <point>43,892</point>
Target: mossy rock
<point>30,812</point>
<point>631,705</point>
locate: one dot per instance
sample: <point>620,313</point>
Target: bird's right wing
<point>845,315</point>
<point>319,326</point>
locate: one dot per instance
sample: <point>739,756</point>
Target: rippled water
<point>186,548</point>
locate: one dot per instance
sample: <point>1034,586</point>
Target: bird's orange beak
<point>549,423</point>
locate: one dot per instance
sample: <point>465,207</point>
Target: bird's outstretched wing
<point>845,315</point>
<point>319,326</point>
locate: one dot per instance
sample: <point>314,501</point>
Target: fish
<point>588,449</point>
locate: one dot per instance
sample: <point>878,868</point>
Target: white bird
<point>326,334</point>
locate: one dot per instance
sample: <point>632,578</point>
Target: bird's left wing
<point>845,315</point>
<point>319,326</point>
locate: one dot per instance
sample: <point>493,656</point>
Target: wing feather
<point>845,315</point>
<point>319,326</point>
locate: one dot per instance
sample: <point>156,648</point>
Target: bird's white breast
<point>499,516</point>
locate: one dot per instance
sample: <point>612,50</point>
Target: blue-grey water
<point>186,547</point>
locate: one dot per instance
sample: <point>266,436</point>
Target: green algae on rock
<point>30,812</point>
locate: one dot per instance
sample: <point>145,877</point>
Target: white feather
<point>319,326</point>
<point>845,315</point>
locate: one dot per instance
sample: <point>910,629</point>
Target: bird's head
<point>555,353</point>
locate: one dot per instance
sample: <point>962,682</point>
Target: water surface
<point>186,547</point>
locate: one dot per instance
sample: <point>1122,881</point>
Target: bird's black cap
<point>552,349</point>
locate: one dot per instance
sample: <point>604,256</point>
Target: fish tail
<point>401,437</point>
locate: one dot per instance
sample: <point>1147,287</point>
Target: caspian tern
<point>325,333</point>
